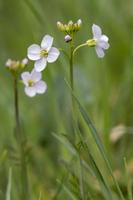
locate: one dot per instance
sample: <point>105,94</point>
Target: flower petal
<point>40,64</point>
<point>53,55</point>
<point>47,42</point>
<point>99,52</point>
<point>41,87</point>
<point>34,52</point>
<point>36,76</point>
<point>103,44</point>
<point>97,32</point>
<point>104,38</point>
<point>30,91</point>
<point>25,77</point>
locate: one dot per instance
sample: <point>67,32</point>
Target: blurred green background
<point>104,86</point>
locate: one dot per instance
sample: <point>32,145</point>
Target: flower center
<point>30,83</point>
<point>44,53</point>
<point>92,42</point>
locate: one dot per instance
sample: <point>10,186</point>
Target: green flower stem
<point>74,118</point>
<point>78,47</point>
<point>21,141</point>
<point>71,66</point>
<point>73,50</point>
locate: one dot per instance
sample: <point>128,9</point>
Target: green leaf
<point>69,193</point>
<point>63,140</point>
<point>128,182</point>
<point>97,140</point>
<point>104,185</point>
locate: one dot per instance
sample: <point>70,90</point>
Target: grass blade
<point>65,143</point>
<point>81,180</point>
<point>105,187</point>
<point>69,193</point>
<point>97,140</point>
<point>8,191</point>
<point>129,186</point>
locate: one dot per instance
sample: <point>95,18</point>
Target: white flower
<point>44,53</point>
<point>101,41</point>
<point>33,83</point>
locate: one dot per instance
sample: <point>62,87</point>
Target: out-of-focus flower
<point>12,65</point>
<point>99,41</point>
<point>33,83</point>
<point>15,65</point>
<point>43,53</point>
<point>117,132</point>
<point>70,27</point>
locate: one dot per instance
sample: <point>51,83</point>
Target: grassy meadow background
<point>104,87</point>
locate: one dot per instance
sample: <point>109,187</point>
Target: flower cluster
<point>42,55</point>
<point>69,29</point>
<point>46,53</point>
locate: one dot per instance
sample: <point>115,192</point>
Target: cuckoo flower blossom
<point>33,83</point>
<point>43,53</point>
<point>99,40</point>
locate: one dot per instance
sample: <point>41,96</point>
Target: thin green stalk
<point>128,182</point>
<point>73,50</point>
<point>16,103</point>
<point>74,114</point>
<point>71,66</point>
<point>74,123</point>
<point>82,190</point>
<point>78,47</point>
<point>20,140</point>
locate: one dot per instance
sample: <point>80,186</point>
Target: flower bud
<point>15,65</point>
<point>60,26</point>
<point>12,65</point>
<point>68,38</point>
<point>70,27</point>
<point>24,62</point>
<point>79,23</point>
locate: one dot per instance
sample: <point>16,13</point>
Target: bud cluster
<point>14,65</point>
<point>70,27</point>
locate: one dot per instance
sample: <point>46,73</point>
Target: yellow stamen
<point>30,83</point>
<point>44,53</point>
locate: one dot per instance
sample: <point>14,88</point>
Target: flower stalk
<point>78,47</point>
<point>71,65</point>
<point>21,142</point>
<point>74,114</point>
